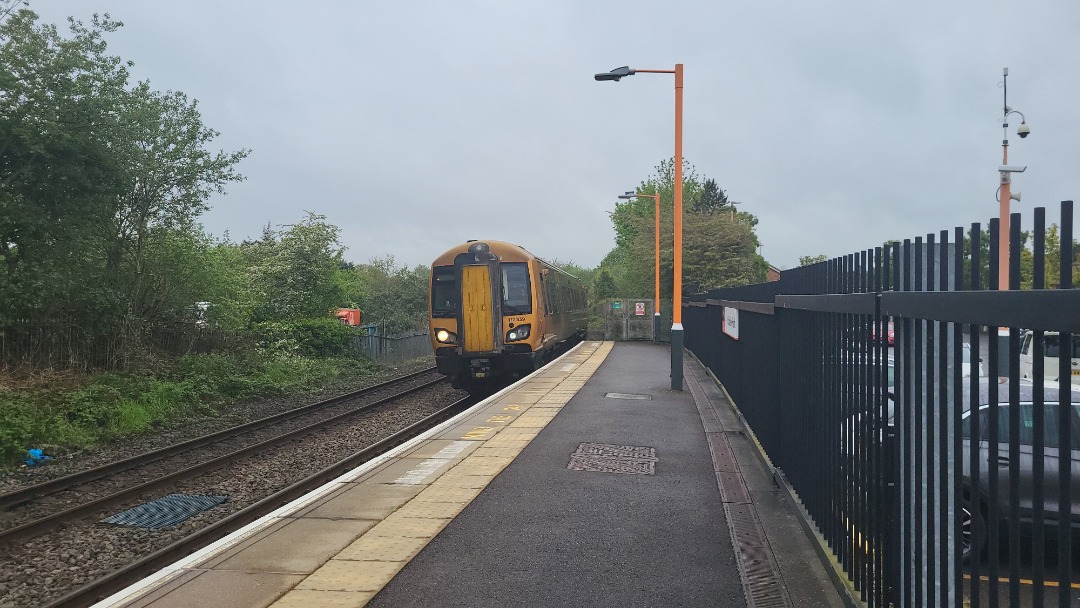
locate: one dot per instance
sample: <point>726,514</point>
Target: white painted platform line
<point>425,469</point>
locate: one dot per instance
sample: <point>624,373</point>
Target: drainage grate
<point>165,512</point>
<point>761,578</point>
<point>628,396</point>
<point>608,458</point>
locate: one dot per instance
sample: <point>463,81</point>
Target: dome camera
<point>1023,130</point>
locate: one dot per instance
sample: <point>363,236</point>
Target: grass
<point>60,416</point>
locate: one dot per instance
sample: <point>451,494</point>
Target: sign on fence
<point>731,322</point>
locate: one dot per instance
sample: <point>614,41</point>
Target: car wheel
<point>972,529</point>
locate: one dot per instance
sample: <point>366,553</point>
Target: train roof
<point>507,252</point>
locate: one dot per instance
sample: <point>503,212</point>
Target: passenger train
<point>497,313</point>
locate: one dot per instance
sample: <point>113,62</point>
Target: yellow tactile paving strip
<point>388,512</point>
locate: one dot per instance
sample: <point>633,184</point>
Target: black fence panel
<point>920,410</point>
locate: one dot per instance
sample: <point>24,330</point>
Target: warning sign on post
<point>639,308</point>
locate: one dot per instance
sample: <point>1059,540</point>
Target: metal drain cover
<point>608,458</point>
<point>165,512</point>
<point>628,396</point>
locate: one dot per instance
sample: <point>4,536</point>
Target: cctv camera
<point>1023,130</point>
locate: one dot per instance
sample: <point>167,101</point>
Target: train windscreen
<point>444,292</point>
<point>517,299</point>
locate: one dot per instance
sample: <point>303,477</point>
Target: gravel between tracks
<point>46,568</point>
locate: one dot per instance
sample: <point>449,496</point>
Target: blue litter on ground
<point>165,512</point>
<point>35,457</point>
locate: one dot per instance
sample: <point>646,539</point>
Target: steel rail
<point>45,524</point>
<point>120,579</point>
<point>59,484</point>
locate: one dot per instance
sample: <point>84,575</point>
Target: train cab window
<point>444,292</point>
<point>516,295</point>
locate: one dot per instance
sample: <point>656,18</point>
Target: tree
<point>711,199</point>
<point>94,175</point>
<point>806,260</point>
<point>395,298</point>
<point>295,271</point>
<point>719,249</point>
<point>603,286</point>
<point>168,176</point>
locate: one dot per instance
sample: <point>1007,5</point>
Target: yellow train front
<point>498,313</point>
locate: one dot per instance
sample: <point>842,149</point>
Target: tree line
<point>102,183</point>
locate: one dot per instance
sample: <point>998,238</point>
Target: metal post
<point>656,282</point>
<point>676,300</point>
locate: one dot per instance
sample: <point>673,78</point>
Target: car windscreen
<point>516,293</point>
<point>445,295</point>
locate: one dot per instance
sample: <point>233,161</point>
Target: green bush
<point>17,425</point>
<point>117,405</point>
<point>315,337</point>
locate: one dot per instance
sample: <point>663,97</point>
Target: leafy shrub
<point>314,337</point>
<point>117,405</point>
<point>17,425</point>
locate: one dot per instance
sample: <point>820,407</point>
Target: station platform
<point>590,483</point>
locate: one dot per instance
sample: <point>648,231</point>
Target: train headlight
<point>520,332</point>
<point>445,337</point>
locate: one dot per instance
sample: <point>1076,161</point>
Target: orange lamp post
<point>656,298</point>
<point>1005,197</point>
<point>676,305</point>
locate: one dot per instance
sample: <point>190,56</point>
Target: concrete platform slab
<point>371,501</point>
<point>224,589</point>
<point>297,546</point>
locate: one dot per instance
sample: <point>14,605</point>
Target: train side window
<point>544,282</point>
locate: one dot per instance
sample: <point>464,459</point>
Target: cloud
<point>417,126</point>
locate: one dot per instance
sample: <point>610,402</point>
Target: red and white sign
<point>639,308</point>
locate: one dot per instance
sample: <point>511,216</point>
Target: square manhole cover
<point>609,458</point>
<point>628,396</point>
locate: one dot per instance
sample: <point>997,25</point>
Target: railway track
<point>105,586</point>
<point>66,548</point>
<point>229,445</point>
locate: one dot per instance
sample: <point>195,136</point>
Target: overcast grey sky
<point>417,125</point>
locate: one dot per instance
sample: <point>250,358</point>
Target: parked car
<point>889,333</point>
<point>976,510</point>
<point>1052,352</point>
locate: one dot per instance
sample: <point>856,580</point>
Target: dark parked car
<point>975,513</point>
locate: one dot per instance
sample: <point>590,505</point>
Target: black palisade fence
<point>928,453</point>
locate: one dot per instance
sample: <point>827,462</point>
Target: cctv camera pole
<point>1004,200</point>
<point>1006,192</point>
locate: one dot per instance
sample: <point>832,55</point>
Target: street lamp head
<point>1023,130</point>
<point>615,74</point>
